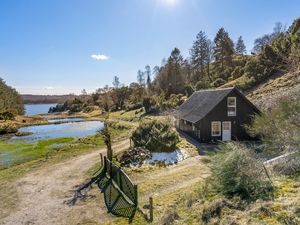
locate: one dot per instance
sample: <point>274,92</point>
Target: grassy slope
<point>266,94</point>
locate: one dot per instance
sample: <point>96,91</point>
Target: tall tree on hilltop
<point>240,47</point>
<point>141,78</point>
<point>116,82</point>
<point>148,75</point>
<point>174,74</point>
<point>223,49</point>
<point>199,53</point>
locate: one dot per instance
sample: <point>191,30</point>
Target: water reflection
<point>70,129</point>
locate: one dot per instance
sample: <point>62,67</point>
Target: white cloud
<point>49,88</point>
<point>99,57</point>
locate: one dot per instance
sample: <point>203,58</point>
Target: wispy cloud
<point>99,57</point>
<point>48,88</point>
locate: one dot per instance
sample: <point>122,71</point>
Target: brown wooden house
<point>216,114</point>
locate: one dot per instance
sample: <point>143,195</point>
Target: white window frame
<point>220,128</point>
<point>231,113</point>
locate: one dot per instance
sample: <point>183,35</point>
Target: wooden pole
<point>101,157</point>
<point>151,209</point>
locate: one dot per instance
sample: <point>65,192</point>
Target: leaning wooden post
<point>151,209</point>
<point>101,158</point>
<point>267,173</point>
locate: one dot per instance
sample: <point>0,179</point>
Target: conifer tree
<point>240,47</point>
<point>199,53</point>
<point>174,74</point>
<point>148,74</point>
<point>223,49</point>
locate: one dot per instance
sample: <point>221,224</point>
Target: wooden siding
<point>244,115</point>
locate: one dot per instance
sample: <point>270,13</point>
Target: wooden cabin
<point>216,114</point>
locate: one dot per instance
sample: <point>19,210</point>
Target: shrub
<point>149,105</point>
<point>236,172</point>
<point>7,128</point>
<point>289,166</point>
<point>280,128</point>
<point>7,116</point>
<point>155,136</point>
<point>133,106</point>
<point>214,209</point>
<point>218,82</point>
<point>169,217</point>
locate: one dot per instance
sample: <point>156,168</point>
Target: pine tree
<point>223,49</point>
<point>148,74</point>
<point>240,47</point>
<point>199,53</point>
<point>174,75</point>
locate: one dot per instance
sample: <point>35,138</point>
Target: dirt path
<point>42,193</point>
<point>172,178</point>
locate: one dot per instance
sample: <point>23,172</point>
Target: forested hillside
<point>211,64</point>
<point>44,99</point>
<point>11,103</point>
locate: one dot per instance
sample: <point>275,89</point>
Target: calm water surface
<point>70,129</point>
<point>37,109</point>
<point>65,120</point>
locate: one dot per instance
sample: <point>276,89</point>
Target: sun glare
<point>168,2</point>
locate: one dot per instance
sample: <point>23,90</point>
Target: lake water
<point>34,109</point>
<point>64,120</point>
<point>70,129</point>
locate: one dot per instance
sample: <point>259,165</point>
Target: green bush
<point>237,173</point>
<point>7,128</point>
<point>7,116</point>
<point>149,105</point>
<point>280,127</point>
<point>155,136</point>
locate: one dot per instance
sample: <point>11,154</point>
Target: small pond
<point>70,129</point>
<point>65,120</point>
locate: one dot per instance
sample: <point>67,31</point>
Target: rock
<point>135,156</point>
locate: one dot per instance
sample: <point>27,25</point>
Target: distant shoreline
<point>45,99</point>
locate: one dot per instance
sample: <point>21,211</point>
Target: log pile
<point>135,156</point>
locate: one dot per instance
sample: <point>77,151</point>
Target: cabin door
<point>226,131</point>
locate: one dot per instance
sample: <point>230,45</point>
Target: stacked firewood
<point>135,156</point>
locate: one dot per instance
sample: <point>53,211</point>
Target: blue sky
<point>46,45</point>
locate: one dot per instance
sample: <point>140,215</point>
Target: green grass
<point>133,115</point>
<point>18,153</point>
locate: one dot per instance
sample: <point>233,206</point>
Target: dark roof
<point>200,103</point>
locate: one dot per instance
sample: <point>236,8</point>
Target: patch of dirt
<point>42,193</point>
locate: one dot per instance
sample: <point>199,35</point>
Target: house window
<point>216,128</point>
<point>231,106</point>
